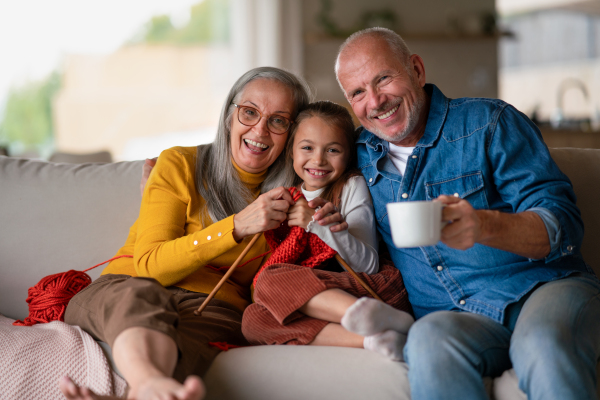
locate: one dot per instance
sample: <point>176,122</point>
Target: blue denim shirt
<point>493,156</point>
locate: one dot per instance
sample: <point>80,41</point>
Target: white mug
<point>415,223</point>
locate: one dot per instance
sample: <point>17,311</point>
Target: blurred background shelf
<point>571,138</point>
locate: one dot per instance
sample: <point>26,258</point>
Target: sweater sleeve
<point>358,245</point>
<point>163,250</point>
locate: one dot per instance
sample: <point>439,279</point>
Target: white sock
<point>369,316</point>
<point>389,344</point>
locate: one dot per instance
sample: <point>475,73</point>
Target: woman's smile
<point>255,148</point>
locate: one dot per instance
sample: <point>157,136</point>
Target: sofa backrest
<point>57,217</point>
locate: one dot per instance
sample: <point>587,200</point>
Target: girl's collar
<point>309,195</point>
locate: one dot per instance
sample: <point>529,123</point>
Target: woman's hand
<point>146,169</point>
<point>268,211</point>
<point>327,214</point>
<point>300,214</point>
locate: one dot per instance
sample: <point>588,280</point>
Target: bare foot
<point>192,389</point>
<point>74,392</point>
<point>163,387</point>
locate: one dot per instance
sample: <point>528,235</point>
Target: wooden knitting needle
<point>355,276</point>
<point>227,274</point>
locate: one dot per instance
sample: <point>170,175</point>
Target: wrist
<point>238,236</point>
<point>307,224</point>
<point>487,225</point>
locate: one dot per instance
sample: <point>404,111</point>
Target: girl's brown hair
<point>339,118</point>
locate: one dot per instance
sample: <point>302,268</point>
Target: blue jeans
<point>551,338</point>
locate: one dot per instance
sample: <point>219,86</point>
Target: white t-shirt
<point>357,245</point>
<point>399,156</point>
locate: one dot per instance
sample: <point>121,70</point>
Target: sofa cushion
<point>57,217</point>
<point>305,372</point>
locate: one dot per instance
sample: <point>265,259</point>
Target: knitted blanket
<point>32,360</point>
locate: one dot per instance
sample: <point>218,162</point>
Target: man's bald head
<point>395,43</point>
<point>384,84</point>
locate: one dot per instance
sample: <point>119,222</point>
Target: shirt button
<point>195,243</point>
<point>208,238</point>
<point>440,268</point>
<point>219,234</point>
<point>462,302</point>
<point>404,195</point>
<point>456,195</point>
<point>570,248</point>
<point>370,179</point>
<point>414,156</point>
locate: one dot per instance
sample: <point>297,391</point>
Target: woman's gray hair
<point>395,41</point>
<point>217,180</point>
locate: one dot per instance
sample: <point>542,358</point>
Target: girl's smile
<point>320,153</point>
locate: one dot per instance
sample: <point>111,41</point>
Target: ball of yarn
<point>49,298</point>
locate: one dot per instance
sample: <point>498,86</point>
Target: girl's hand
<point>300,214</point>
<point>268,211</point>
<point>328,214</point>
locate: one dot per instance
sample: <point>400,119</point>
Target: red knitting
<point>48,299</point>
<point>224,346</point>
<point>295,246</point>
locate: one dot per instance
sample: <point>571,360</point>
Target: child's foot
<point>389,344</point>
<point>369,316</point>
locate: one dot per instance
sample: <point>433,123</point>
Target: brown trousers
<point>282,289</point>
<point>114,303</point>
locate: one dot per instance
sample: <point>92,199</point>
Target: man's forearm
<point>523,233</point>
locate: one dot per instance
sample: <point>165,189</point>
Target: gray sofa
<point>56,217</point>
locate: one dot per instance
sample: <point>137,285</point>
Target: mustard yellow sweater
<point>169,243</point>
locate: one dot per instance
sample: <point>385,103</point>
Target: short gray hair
<point>217,180</point>
<point>395,41</point>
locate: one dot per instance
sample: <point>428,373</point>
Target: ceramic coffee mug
<point>415,223</point>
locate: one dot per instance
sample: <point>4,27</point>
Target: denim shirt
<point>490,154</point>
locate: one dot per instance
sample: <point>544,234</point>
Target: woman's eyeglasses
<point>250,116</point>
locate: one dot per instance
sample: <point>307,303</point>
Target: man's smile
<point>388,114</point>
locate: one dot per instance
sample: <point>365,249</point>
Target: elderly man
<point>507,285</point>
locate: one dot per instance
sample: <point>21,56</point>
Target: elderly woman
<point>199,208</point>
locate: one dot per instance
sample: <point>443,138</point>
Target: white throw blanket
<point>33,358</point>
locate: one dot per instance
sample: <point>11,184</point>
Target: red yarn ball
<point>49,298</point>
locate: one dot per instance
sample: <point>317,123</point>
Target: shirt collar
<point>310,195</point>
<point>438,109</point>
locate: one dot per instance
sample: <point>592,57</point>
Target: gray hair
<point>395,41</point>
<point>217,181</point>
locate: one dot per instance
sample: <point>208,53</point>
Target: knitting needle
<point>355,276</point>
<point>227,275</point>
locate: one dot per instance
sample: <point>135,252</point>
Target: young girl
<point>299,305</point>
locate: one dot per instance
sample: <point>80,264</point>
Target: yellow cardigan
<point>169,243</point>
